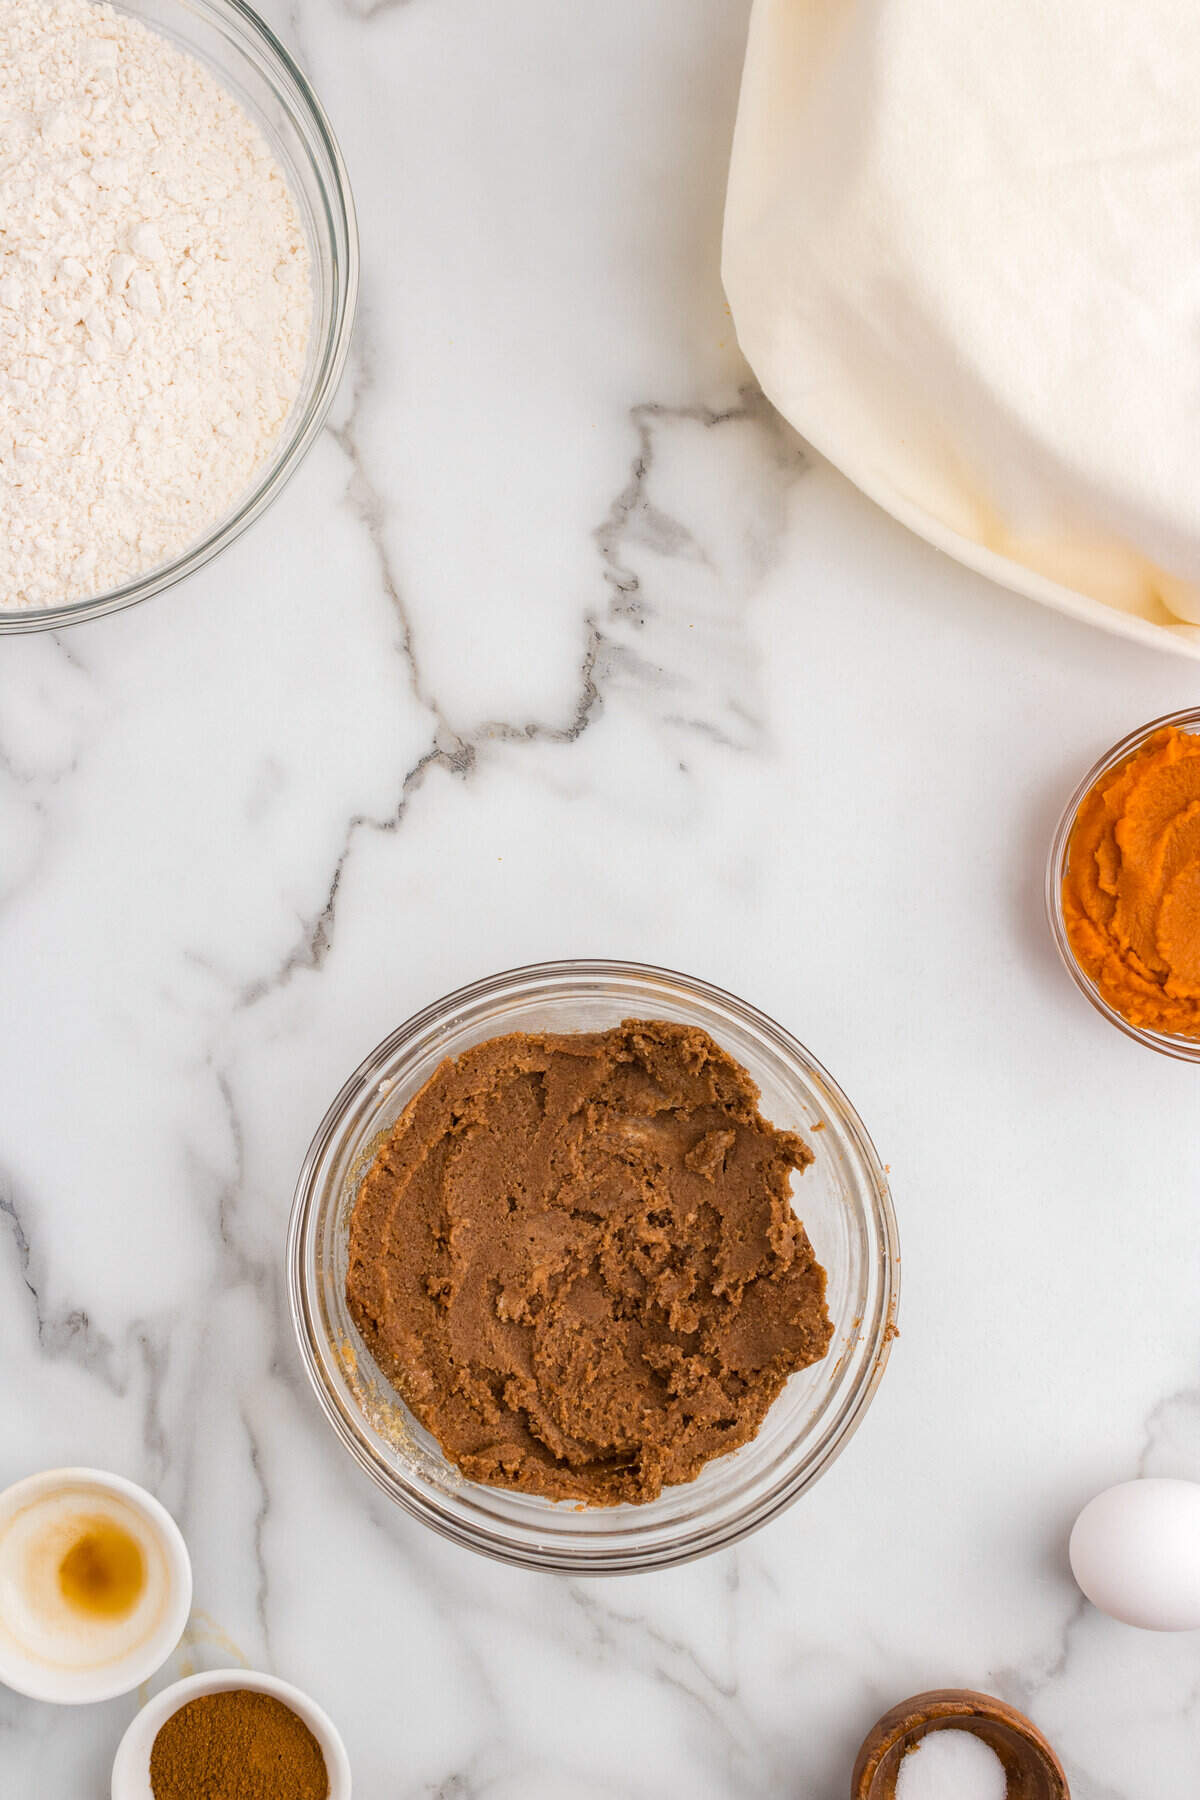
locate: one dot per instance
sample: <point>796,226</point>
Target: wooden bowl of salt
<point>1032,1770</point>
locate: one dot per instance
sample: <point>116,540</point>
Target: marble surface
<point>560,644</point>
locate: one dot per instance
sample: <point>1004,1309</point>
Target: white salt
<point>951,1765</point>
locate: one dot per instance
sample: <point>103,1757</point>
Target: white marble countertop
<point>560,644</point>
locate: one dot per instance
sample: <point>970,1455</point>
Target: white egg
<point>1135,1552</point>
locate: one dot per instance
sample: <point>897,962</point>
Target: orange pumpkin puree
<point>1131,893</point>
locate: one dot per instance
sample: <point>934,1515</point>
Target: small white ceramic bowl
<point>73,1686</point>
<point>131,1770</point>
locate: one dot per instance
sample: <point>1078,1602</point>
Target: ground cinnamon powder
<point>238,1745</point>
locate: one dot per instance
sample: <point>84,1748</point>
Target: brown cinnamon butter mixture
<point>576,1258</point>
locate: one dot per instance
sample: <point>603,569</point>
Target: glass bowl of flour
<point>178,279</point>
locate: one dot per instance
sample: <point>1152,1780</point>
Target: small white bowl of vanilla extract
<point>95,1586</point>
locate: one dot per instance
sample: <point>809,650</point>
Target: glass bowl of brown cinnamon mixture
<point>593,1267</point>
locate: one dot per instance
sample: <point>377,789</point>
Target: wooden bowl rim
<point>915,1717</point>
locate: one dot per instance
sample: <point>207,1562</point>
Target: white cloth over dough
<point>962,252</point>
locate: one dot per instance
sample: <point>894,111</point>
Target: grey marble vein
<point>631,520</point>
<point>68,1333</point>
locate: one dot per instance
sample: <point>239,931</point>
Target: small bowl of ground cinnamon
<point>231,1734</point>
<point>1123,885</point>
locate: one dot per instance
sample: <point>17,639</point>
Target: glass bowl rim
<point>695,1538</point>
<point>1183,1049</point>
<point>298,97</point>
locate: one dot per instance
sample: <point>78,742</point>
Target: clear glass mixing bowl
<point>843,1199</point>
<point>253,65</point>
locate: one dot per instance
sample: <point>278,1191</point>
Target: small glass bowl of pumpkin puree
<point>1123,885</point>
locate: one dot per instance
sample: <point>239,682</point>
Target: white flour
<point>154,300</point>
